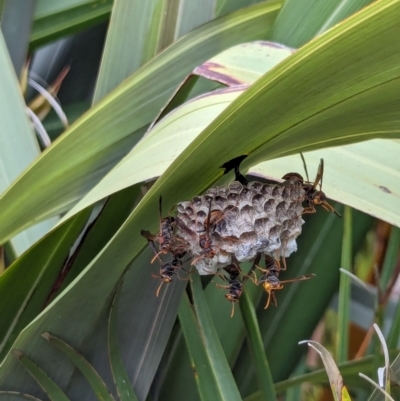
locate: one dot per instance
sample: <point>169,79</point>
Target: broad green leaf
<point>161,145</point>
<point>372,185</point>
<point>342,339</point>
<point>330,116</point>
<point>226,385</point>
<point>142,345</point>
<point>86,296</point>
<point>54,19</point>
<point>205,376</point>
<point>2,7</point>
<point>189,14</point>
<point>133,38</point>
<point>227,6</point>
<point>159,148</point>
<point>339,391</point>
<point>120,375</point>
<point>95,381</point>
<point>52,390</point>
<point>16,19</point>
<point>83,154</point>
<point>257,350</point>
<point>18,144</point>
<point>302,20</point>
<point>27,283</point>
<point>243,64</point>
<point>230,332</point>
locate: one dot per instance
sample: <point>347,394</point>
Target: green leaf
<point>52,390</point>
<point>54,19</point>
<point>86,297</point>
<point>27,283</point>
<point>256,346</point>
<point>15,18</point>
<point>372,186</point>
<point>95,381</point>
<point>158,149</point>
<point>342,344</point>
<point>227,388</point>
<point>227,6</point>
<point>302,20</point>
<point>330,114</point>
<point>243,64</point>
<point>133,38</point>
<point>142,345</point>
<point>90,148</point>
<point>19,146</point>
<point>120,375</point>
<point>204,373</point>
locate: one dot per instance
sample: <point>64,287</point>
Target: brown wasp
<point>167,269</point>
<point>313,195</point>
<point>235,285</point>
<point>165,237</point>
<point>270,279</point>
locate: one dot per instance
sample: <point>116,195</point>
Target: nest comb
<point>244,220</point>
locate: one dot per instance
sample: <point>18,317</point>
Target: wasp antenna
<point>330,208</point>
<point>322,171</point>
<point>268,300</point>
<point>157,257</point>
<point>233,309</point>
<point>304,165</point>
<point>159,288</point>
<point>301,278</point>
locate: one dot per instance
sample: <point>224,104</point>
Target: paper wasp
<point>270,279</point>
<point>313,195</point>
<point>167,269</point>
<point>165,237</point>
<point>235,285</point>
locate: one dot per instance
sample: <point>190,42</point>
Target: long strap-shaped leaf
<point>256,346</point>
<point>205,374</point>
<point>197,167</point>
<point>120,375</point>
<point>93,378</point>
<point>53,391</point>
<point>226,386</point>
<point>83,154</point>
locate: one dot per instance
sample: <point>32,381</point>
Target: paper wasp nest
<point>243,220</point>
